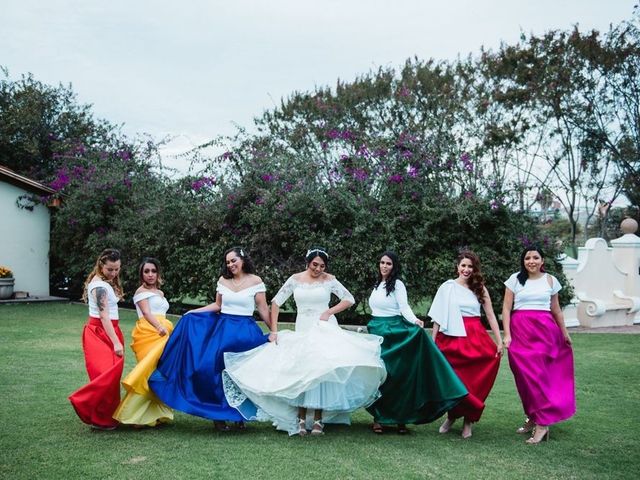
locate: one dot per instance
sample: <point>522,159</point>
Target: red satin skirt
<point>474,360</point>
<point>96,402</point>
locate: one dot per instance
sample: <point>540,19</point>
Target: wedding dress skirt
<point>321,367</point>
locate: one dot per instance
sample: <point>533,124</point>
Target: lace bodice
<point>311,299</point>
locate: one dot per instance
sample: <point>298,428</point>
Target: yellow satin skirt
<point>140,406</point>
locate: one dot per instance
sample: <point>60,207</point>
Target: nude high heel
<point>446,425</point>
<point>538,437</point>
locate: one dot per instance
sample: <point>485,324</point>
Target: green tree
<point>39,122</point>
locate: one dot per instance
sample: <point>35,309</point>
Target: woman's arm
<point>558,316</point>
<point>507,305</point>
<point>337,308</point>
<point>275,312</point>
<point>263,311</point>
<point>103,307</point>
<point>493,322</point>
<point>143,305</point>
<point>435,330</point>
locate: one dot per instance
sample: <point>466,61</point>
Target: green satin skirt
<point>421,385</point>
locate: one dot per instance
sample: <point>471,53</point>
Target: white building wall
<point>24,241</point>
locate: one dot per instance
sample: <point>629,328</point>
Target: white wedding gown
<point>319,366</point>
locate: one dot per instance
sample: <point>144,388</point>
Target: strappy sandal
<point>377,428</point>
<point>402,429</point>
<point>302,427</point>
<point>241,426</point>
<point>318,428</point>
<point>527,426</point>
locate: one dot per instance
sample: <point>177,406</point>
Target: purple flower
<point>413,171</point>
<point>380,152</point>
<point>259,201</point>
<point>77,171</point>
<point>101,230</point>
<point>111,200</point>
<point>360,174</point>
<point>124,155</point>
<point>127,183</point>
<point>227,155</point>
<point>397,178</point>
<point>494,204</point>
<point>363,151</point>
<point>404,91</point>
<point>468,194</point>
<point>466,162</point>
<point>287,187</point>
<point>62,180</point>
<point>202,182</point>
<point>267,177</point>
<point>407,154</point>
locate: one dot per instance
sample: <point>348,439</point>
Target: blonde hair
<point>107,255</point>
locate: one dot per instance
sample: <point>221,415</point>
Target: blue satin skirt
<point>189,373</point>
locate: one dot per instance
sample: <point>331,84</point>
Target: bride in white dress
<point>318,367</point>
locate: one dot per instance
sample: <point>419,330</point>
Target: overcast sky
<point>193,69</point>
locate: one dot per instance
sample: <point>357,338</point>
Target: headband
<point>319,250</point>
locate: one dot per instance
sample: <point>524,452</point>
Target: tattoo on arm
<point>101,298</point>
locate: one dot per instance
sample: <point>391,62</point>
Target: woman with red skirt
<point>462,338</point>
<point>102,340</point>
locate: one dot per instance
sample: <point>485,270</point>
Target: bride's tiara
<point>319,250</point>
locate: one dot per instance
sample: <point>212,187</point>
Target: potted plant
<point>6,282</point>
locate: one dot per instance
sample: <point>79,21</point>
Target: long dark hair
<point>523,274</point>
<point>476,280</point>
<point>247,264</point>
<point>314,252</point>
<point>155,263</point>
<point>390,282</point>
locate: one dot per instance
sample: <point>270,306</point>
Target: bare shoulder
<point>328,277</point>
<point>253,280</point>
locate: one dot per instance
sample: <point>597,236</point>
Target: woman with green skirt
<point>421,385</point>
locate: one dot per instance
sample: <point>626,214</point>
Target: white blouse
<point>452,302</point>
<point>534,294</point>
<point>396,303</point>
<point>112,298</point>
<point>239,303</point>
<point>157,303</point>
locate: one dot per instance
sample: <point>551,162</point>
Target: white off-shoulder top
<point>157,303</point>
<point>239,303</point>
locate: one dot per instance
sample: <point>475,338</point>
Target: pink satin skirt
<point>542,365</point>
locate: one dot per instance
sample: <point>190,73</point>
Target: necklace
<point>236,284</point>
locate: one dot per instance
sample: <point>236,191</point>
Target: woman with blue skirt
<point>188,377</point>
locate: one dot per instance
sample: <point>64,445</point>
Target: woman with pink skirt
<point>539,346</point>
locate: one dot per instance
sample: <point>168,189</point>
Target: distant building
<point>24,232</point>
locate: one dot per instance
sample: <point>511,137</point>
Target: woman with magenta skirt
<point>539,346</point>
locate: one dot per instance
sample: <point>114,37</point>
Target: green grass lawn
<point>41,437</point>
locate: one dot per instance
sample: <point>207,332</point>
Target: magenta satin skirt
<point>542,365</point>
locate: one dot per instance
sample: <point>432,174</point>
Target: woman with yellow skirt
<point>141,407</point>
